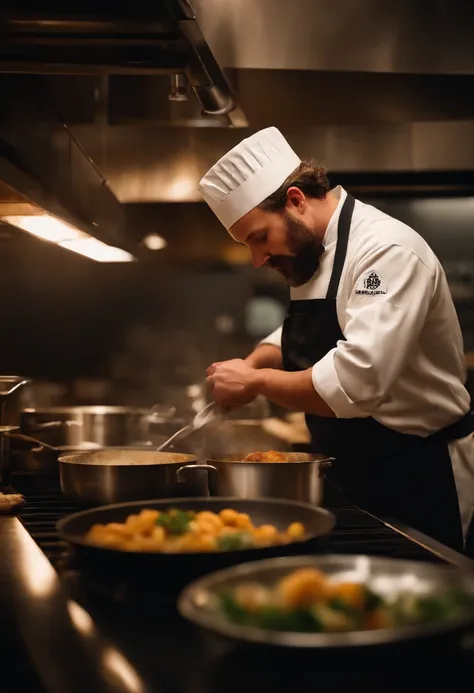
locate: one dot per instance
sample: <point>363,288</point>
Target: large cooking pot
<point>116,475</point>
<point>299,479</point>
<point>103,425</point>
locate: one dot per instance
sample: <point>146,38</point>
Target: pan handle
<point>203,477</point>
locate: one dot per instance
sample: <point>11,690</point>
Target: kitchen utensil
<point>172,571</point>
<point>113,475</point>
<point>299,479</point>
<point>387,576</point>
<point>205,420</point>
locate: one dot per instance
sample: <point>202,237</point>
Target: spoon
<point>208,418</point>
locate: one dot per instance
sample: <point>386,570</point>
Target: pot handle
<point>53,424</point>
<point>324,466</point>
<point>203,476</point>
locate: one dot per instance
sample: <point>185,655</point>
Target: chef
<point>371,349</point>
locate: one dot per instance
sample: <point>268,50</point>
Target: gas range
<point>161,652</point>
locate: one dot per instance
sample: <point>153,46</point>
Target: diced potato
<point>209,522</point>
<point>265,535</point>
<point>228,516</point>
<point>295,530</point>
<point>251,596</point>
<point>243,521</point>
<point>352,593</point>
<point>303,587</point>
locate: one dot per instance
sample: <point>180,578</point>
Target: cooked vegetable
<point>183,531</point>
<point>307,600</point>
<point>176,521</point>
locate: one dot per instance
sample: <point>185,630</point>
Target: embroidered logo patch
<point>371,284</point>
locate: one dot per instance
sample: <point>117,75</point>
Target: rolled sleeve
<point>274,338</point>
<point>327,385</point>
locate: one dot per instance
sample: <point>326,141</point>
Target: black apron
<point>390,474</point>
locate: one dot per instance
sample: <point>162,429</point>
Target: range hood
<point>47,177</point>
<point>125,39</point>
<point>368,87</point>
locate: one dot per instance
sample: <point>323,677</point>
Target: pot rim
<point>99,409</point>
<point>310,459</point>
<point>71,458</point>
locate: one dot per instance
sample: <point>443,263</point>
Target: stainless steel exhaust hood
<point>165,39</point>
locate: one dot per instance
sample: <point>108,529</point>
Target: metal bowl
<point>386,576</point>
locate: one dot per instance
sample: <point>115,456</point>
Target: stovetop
<point>169,655</point>
<point>355,531</point>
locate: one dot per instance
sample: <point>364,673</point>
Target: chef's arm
<point>291,390</point>
<point>268,353</point>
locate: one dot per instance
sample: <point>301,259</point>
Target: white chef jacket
<point>402,361</point>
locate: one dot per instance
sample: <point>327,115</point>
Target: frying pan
<point>175,570</point>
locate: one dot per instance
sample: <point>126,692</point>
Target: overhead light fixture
<point>54,230</point>
<point>154,242</point>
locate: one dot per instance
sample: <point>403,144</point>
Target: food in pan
<point>306,600</point>
<point>270,456</point>
<point>184,531</point>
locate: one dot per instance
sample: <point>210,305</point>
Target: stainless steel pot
<point>103,425</point>
<point>5,459</point>
<point>299,479</point>
<point>11,396</point>
<point>116,475</point>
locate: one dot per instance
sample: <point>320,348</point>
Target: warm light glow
<point>45,227</point>
<point>80,618</point>
<point>36,571</point>
<point>54,230</point>
<point>96,250</point>
<point>121,671</point>
<point>154,242</point>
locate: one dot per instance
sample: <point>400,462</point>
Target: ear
<point>295,200</point>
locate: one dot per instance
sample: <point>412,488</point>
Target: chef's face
<point>283,240</point>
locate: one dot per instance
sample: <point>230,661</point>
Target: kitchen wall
<point>152,326</point>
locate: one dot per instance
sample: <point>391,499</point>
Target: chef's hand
<point>231,383</point>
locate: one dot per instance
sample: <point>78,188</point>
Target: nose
<point>259,258</point>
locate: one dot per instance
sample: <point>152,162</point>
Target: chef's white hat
<point>247,175</point>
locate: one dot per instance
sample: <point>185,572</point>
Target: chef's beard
<point>306,250</point>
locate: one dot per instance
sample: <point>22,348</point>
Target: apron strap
<point>343,229</point>
<point>459,429</point>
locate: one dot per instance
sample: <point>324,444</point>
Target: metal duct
<point>163,40</point>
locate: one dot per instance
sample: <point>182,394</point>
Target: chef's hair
<point>310,177</point>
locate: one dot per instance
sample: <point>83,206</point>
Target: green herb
<point>233,610</point>
<point>298,620</point>
<point>234,542</point>
<point>271,617</point>
<point>372,600</point>
<point>175,521</point>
